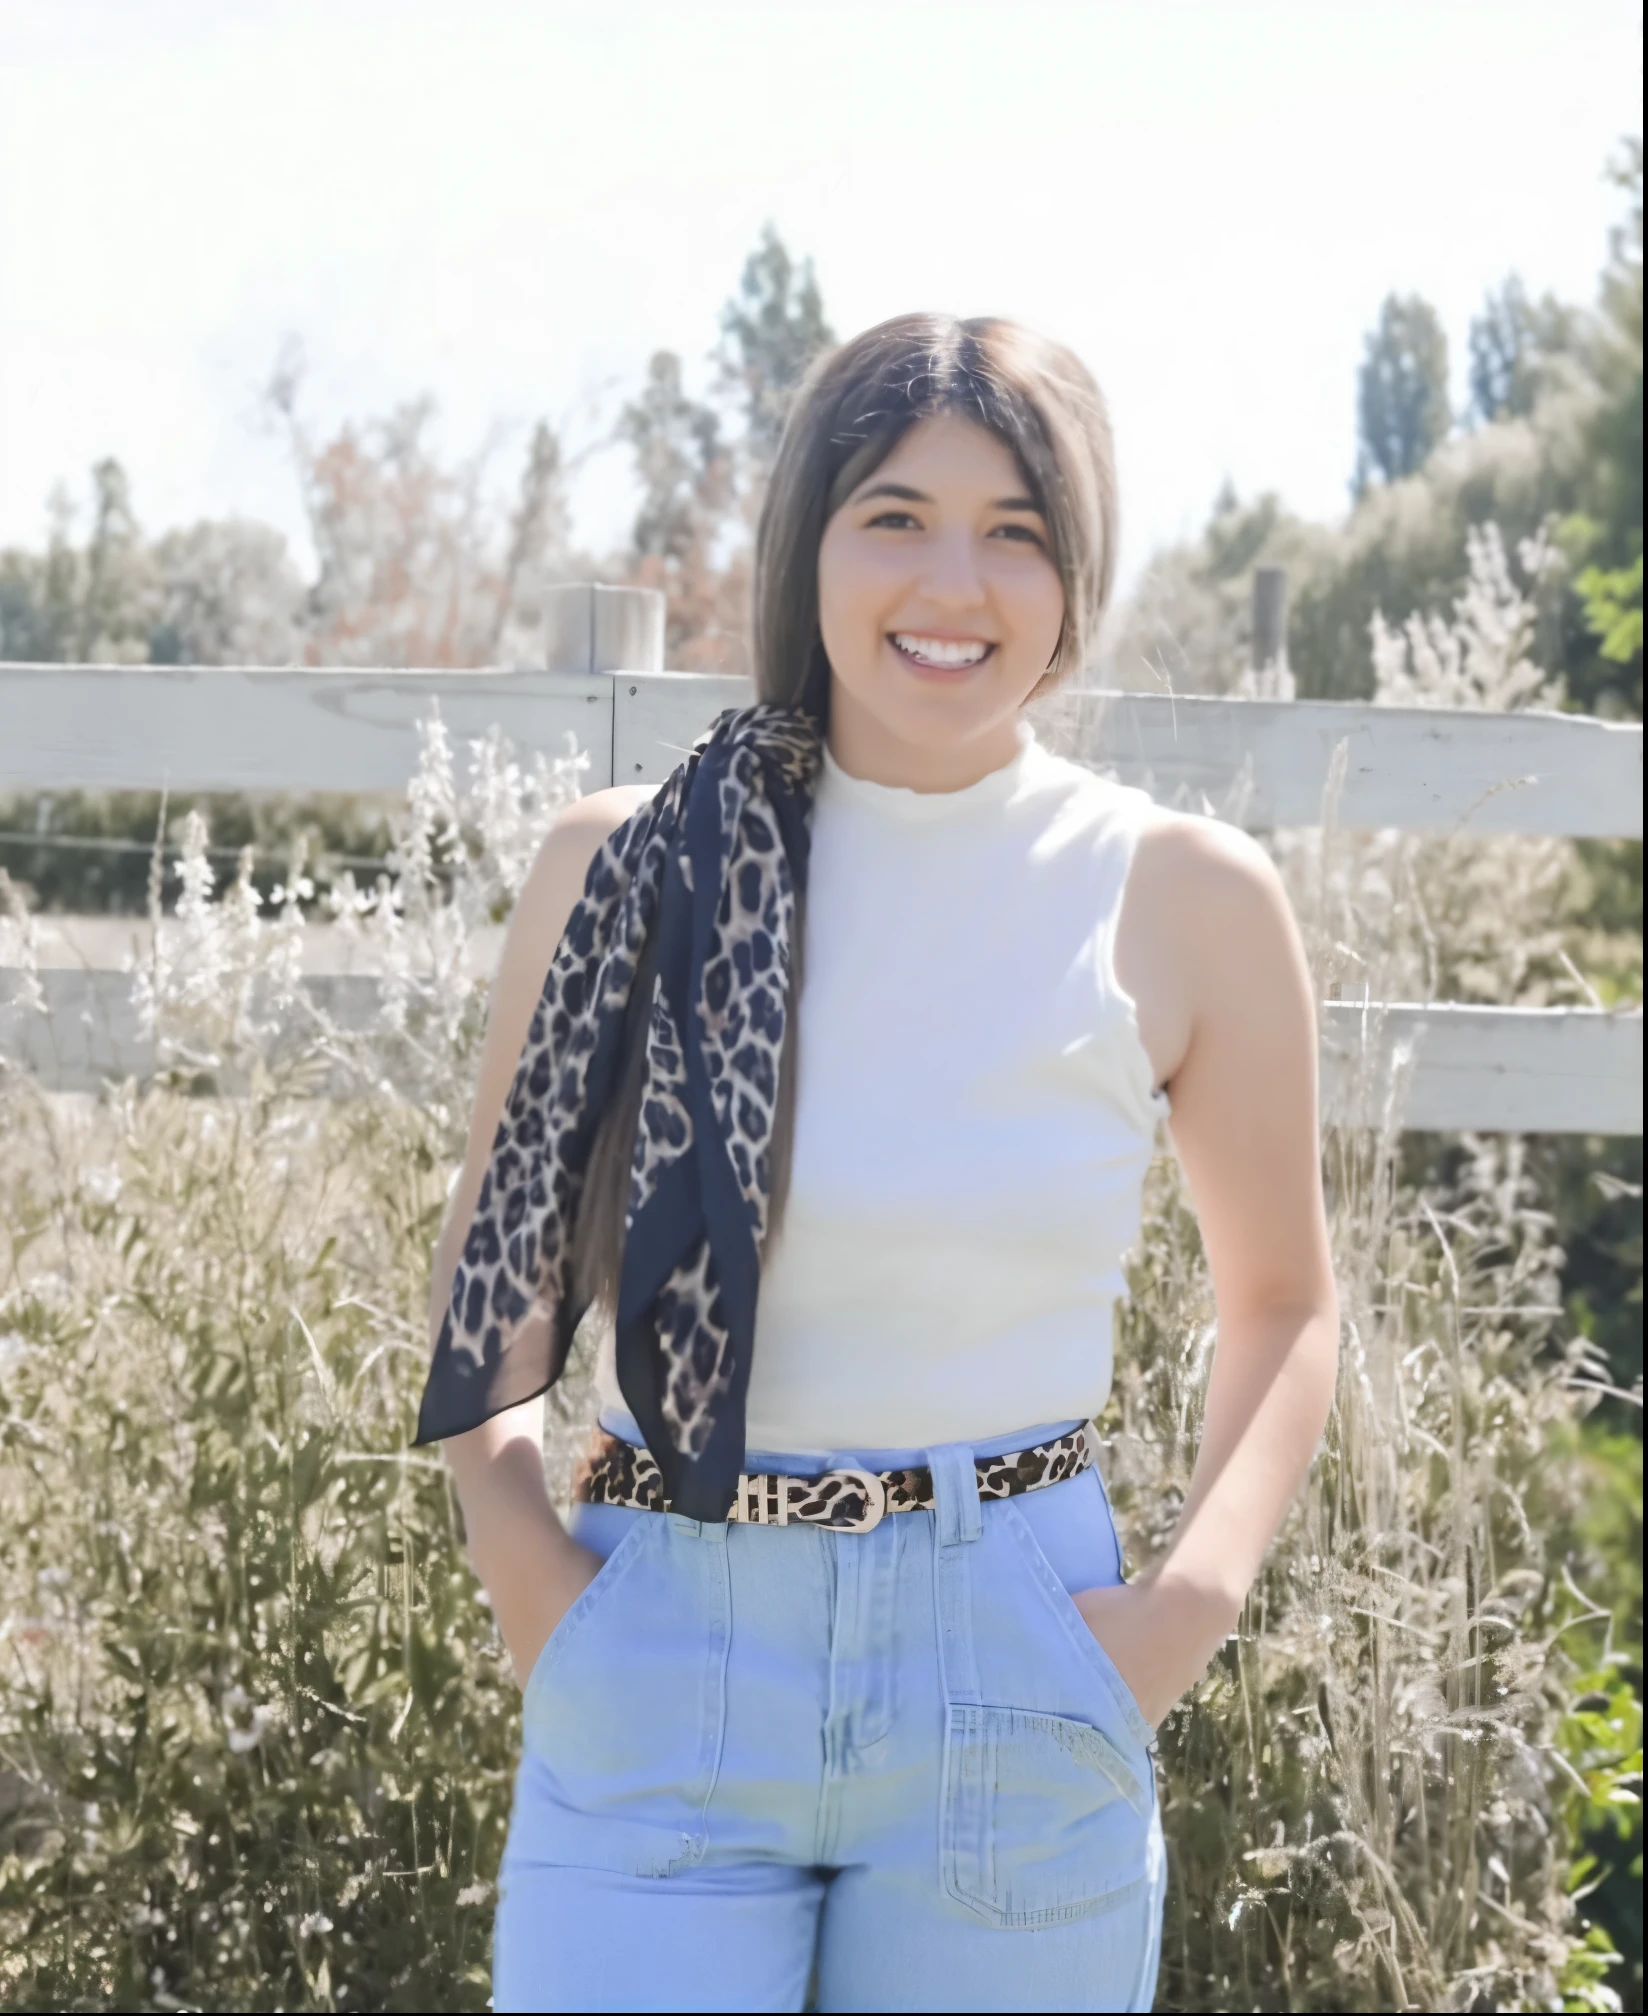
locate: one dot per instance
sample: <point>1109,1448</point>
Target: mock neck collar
<point>903,803</point>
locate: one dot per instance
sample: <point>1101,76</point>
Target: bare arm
<point>528,1565</point>
<point>1244,1124</point>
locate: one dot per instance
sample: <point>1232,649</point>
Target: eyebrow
<point>909,496</point>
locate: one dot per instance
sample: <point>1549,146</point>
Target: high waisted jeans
<point>779,1767</point>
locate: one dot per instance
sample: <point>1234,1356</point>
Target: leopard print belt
<point>614,1472</point>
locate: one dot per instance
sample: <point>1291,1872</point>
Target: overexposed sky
<point>512,206</point>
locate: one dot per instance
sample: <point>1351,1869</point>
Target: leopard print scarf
<point>714,864</point>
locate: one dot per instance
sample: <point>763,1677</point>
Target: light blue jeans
<point>784,1767</point>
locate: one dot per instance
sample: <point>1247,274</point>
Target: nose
<point>953,579</point>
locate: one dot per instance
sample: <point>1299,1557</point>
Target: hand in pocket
<point>533,1625</point>
<point>1158,1637</point>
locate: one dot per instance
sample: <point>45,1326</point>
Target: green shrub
<point>1371,1798</point>
<point>255,1726</point>
<point>258,1734</point>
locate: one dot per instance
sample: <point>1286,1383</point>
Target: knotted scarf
<point>713,865</point>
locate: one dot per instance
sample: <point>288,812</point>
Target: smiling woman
<point>981,482</point>
<point>941,606</point>
<point>835,1089</point>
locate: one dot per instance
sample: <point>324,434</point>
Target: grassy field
<point>257,1735</point>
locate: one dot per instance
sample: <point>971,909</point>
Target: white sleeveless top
<point>974,1117</point>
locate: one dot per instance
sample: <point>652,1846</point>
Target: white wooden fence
<point>65,727</point>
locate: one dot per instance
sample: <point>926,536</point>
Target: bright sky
<point>512,206</point>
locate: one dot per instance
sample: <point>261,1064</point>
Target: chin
<point>943,719</point>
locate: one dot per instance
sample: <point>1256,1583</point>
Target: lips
<point>940,654</point>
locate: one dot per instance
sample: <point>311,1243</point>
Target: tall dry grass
<point>256,1732</point>
<point>1371,1799</point>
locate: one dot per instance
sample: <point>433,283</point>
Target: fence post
<point>589,627</point>
<point>1269,616</point>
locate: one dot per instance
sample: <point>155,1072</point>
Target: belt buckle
<point>749,1505</point>
<point>875,1501</point>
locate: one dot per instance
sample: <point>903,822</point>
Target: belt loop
<point>957,1521</point>
<point>955,1494</point>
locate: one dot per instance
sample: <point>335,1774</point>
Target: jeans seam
<point>715,1716</point>
<point>1052,1914</point>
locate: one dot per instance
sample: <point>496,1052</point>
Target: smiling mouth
<point>940,654</point>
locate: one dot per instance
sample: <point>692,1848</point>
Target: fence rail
<point>1504,1070</point>
<point>138,728</point>
<point>1260,763</point>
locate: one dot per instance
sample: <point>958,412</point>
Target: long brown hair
<point>854,407</point>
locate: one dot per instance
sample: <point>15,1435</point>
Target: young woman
<point>835,1687</point>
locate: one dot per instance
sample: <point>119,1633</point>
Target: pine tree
<point>1402,391</point>
<point>680,461</point>
<point>771,331</point>
<point>687,498</point>
<point>1512,342</point>
<point>540,544</point>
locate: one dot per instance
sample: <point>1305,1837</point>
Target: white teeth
<point>940,650</point>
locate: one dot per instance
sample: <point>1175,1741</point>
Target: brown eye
<point>893,521</point>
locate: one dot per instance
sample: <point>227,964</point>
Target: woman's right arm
<point>531,1569</point>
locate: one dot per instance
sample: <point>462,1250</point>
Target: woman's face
<point>940,608</point>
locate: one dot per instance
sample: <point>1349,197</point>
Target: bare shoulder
<point>587,821</point>
<point>552,887</point>
<point>563,858</point>
<point>1217,896</point>
<point>1245,1058</point>
<point>605,809</point>
<point>1205,909</point>
<point>555,881</point>
<point>1233,942</point>
<point>1193,859</point>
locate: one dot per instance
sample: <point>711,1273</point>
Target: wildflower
<point>243,1738</point>
<point>313,1924</point>
<point>101,1184</point>
<point>1481,658</point>
<point>19,952</point>
<point>473,1893</point>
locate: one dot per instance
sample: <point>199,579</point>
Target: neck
<point>865,747</point>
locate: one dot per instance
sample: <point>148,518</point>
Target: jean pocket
<point>583,1606</point>
<point>623,1710</point>
<point>1045,1818</point>
<point>1054,1597</point>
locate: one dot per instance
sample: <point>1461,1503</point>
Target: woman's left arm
<point>1244,1125</point>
